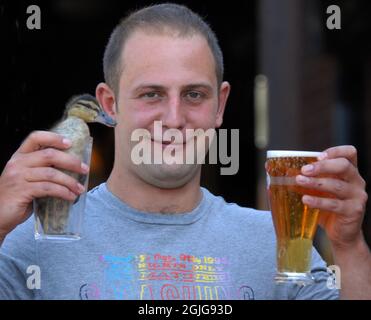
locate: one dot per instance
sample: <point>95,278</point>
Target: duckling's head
<point>87,108</point>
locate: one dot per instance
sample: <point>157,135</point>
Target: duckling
<point>53,212</point>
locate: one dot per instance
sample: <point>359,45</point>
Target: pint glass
<point>294,222</point>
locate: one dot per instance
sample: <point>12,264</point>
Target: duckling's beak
<point>105,119</point>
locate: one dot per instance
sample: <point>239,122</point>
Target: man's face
<point>169,79</point>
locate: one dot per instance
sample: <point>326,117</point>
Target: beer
<point>295,223</point>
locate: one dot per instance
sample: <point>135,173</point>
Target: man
<point>151,232</point>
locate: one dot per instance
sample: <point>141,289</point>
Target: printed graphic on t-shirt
<point>165,277</point>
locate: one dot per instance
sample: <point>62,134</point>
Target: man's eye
<point>194,95</point>
<point>151,95</point>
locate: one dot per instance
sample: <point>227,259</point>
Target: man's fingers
<point>42,139</point>
<point>56,158</point>
<point>336,187</point>
<point>347,207</point>
<point>349,152</point>
<point>49,174</point>
<point>49,189</point>
<point>325,204</point>
<point>340,167</point>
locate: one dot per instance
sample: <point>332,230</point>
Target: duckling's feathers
<point>81,98</point>
<point>86,100</point>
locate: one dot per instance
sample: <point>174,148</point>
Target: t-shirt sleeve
<point>17,253</point>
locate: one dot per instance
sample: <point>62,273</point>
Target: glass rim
<point>292,153</point>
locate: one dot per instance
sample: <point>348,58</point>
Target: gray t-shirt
<point>217,251</point>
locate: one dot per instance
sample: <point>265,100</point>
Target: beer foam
<point>291,153</point>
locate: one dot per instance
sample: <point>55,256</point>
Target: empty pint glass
<point>295,223</point>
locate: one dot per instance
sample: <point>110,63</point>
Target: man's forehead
<point>159,55</point>
<point>149,39</point>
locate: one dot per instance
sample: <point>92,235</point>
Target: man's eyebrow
<point>156,87</point>
<point>193,86</point>
<point>149,86</point>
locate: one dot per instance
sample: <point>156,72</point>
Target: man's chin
<point>168,176</point>
<point>173,184</point>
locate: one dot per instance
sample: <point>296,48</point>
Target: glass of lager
<point>294,222</point>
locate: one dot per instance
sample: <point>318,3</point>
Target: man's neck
<point>145,197</point>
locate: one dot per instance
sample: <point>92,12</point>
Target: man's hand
<point>342,215</point>
<point>31,173</point>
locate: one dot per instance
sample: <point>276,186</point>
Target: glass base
<point>300,278</point>
<point>57,237</point>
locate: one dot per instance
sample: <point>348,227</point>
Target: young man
<point>151,231</point>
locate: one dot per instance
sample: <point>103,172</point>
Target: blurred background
<point>295,83</point>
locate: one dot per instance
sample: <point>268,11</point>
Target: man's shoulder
<point>19,243</point>
<point>239,214</point>
<point>24,231</point>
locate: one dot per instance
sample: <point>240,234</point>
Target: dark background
<point>319,79</point>
<point>43,68</point>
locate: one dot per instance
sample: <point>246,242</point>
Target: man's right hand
<point>31,173</point>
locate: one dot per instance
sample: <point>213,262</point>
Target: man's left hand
<point>341,214</point>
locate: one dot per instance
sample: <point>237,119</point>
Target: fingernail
<point>80,187</point>
<point>307,200</point>
<point>308,168</point>
<point>302,179</point>
<point>323,156</point>
<point>84,167</point>
<point>67,142</point>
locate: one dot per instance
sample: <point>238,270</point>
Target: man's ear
<point>225,88</point>
<point>106,98</point>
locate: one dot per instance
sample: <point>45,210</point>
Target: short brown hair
<point>166,16</point>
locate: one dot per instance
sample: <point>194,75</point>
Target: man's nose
<point>174,114</point>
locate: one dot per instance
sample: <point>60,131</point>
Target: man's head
<point>162,63</point>
<point>159,19</point>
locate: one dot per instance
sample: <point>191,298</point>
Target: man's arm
<point>342,215</point>
<point>30,173</point>
<point>355,266</point>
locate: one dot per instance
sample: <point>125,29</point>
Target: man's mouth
<point>165,143</point>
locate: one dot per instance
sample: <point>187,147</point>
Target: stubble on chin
<point>167,176</point>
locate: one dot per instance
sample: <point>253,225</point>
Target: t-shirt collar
<point>117,204</point>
